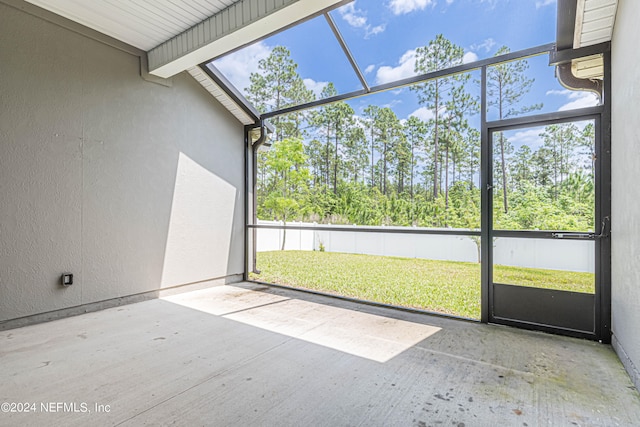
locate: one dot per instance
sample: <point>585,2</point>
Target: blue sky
<point>383,36</point>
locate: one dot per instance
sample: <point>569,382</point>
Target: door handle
<point>570,235</point>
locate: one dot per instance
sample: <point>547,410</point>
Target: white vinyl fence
<point>571,255</point>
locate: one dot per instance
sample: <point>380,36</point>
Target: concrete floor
<point>251,355</point>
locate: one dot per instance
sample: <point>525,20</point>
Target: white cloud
<point>529,137</point>
<point>392,104</point>
<point>372,31</point>
<point>487,45</point>
<point>314,86</point>
<point>576,99</point>
<point>565,92</point>
<point>543,3</point>
<point>353,16</point>
<point>234,66</point>
<point>369,68</point>
<point>587,99</point>
<point>423,113</point>
<point>357,19</point>
<point>401,7</point>
<point>469,57</point>
<point>405,68</point>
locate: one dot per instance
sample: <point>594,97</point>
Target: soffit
<point>594,24</point>
<point>215,90</point>
<point>141,23</point>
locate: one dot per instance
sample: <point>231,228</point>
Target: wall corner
<point>144,73</point>
<point>628,364</point>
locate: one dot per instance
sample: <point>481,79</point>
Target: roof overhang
<point>242,23</point>
<point>594,22</point>
<point>182,34</point>
<point>584,23</point>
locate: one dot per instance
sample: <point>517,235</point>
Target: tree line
<point>332,165</point>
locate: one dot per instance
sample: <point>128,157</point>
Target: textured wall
<point>626,191</point>
<point>130,185</point>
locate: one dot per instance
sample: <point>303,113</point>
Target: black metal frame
<point>564,56</point>
<point>603,212</point>
<point>247,152</point>
<point>596,330</point>
<point>600,114</point>
<point>471,66</point>
<point>360,229</point>
<point>347,52</point>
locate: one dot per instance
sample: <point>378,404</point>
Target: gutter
<point>567,79</point>
<point>265,129</point>
<point>565,36</point>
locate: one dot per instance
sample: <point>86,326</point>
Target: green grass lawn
<point>444,286</point>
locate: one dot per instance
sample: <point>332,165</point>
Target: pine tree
<point>414,131</point>
<point>355,152</point>
<point>507,84</point>
<point>334,120</point>
<point>388,127</point>
<point>370,116</point>
<point>277,85</point>
<point>439,54</point>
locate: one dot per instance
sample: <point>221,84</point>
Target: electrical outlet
<point>67,279</point>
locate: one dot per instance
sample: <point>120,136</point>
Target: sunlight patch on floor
<point>360,334</point>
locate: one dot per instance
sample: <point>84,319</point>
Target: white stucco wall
<point>626,188</point>
<point>130,185</point>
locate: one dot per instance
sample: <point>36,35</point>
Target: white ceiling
<point>594,22</point>
<point>141,23</point>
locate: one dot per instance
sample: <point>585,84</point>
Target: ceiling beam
<point>242,23</point>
